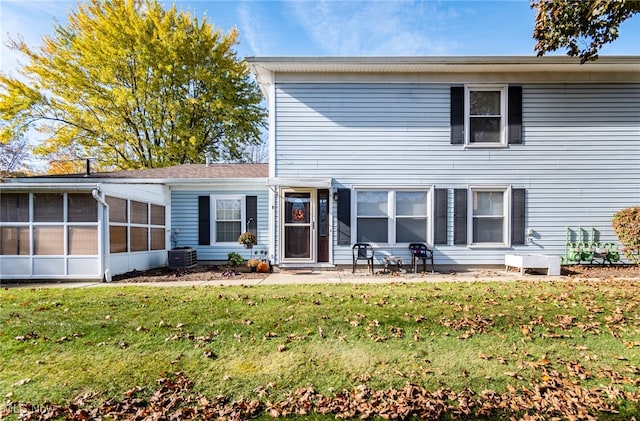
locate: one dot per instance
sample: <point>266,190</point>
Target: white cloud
<point>28,20</point>
<point>253,29</point>
<point>377,27</point>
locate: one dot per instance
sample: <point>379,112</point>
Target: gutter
<point>104,261</point>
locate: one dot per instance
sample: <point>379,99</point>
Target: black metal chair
<point>362,251</point>
<point>420,251</point>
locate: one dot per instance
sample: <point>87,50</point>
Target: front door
<point>323,226</point>
<point>299,226</point>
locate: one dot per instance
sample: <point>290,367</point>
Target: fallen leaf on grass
<point>21,382</point>
<point>550,397</point>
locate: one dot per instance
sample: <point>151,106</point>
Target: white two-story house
<point>474,156</point>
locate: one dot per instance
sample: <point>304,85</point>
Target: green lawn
<point>265,343</point>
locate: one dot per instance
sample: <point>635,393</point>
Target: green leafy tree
<point>134,86</point>
<point>580,26</point>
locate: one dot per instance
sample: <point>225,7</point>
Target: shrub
<point>235,259</point>
<point>626,224</point>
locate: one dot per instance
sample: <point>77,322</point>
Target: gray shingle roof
<point>186,171</point>
<point>195,171</point>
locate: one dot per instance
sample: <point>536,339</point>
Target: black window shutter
<point>460,217</point>
<point>204,223</point>
<point>515,115</point>
<point>457,115</point>
<point>251,212</point>
<point>344,217</point>
<point>517,216</point>
<point>440,222</point>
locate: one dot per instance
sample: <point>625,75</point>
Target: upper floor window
<point>485,115</point>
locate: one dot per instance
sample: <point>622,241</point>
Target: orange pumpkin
<point>263,267</point>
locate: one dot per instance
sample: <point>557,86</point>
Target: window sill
<point>486,146</point>
<point>488,246</point>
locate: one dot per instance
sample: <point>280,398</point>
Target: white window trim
<point>212,218</point>
<point>391,213</point>
<point>503,113</point>
<point>506,227</point>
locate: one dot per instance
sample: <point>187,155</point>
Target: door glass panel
<point>323,223</point>
<point>297,227</point>
<point>297,242</point>
<point>297,206</point>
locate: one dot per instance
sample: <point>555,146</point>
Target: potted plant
<point>247,239</point>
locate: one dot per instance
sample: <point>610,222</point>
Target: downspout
<point>104,265</point>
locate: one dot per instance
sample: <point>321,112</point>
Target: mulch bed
<point>198,273</point>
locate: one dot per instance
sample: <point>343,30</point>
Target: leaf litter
<point>552,395</point>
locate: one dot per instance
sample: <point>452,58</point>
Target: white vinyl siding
<point>579,161</point>
<point>184,219</point>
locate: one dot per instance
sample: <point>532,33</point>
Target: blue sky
<point>338,28</point>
